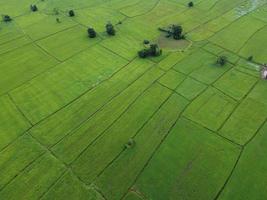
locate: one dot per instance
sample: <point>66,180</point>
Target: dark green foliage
<point>250,58</point>
<point>56,11</point>
<point>143,53</point>
<point>58,20</point>
<point>177,32</point>
<point>71,13</point>
<point>222,60</point>
<point>120,22</point>
<point>7,18</point>
<point>146,42</point>
<point>190,4</point>
<point>130,143</point>
<point>174,31</point>
<point>110,29</point>
<point>91,33</point>
<point>34,8</point>
<point>153,50</point>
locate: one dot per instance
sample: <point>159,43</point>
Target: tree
<point>91,33</point>
<point>250,58</point>
<point>34,8</point>
<point>153,50</point>
<point>190,4</point>
<point>71,13</point>
<point>143,53</point>
<point>130,143</point>
<point>146,42</point>
<point>110,29</point>
<point>177,32</point>
<point>222,60</point>
<point>6,18</point>
<point>58,20</point>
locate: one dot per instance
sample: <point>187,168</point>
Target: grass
<point>69,104</point>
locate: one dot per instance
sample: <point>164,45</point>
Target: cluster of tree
<point>190,4</point>
<point>175,31</point>
<point>250,58</point>
<point>222,60</point>
<point>33,8</point>
<point>6,18</point>
<point>110,29</point>
<point>153,51</point>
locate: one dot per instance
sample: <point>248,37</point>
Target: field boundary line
<point>149,10</point>
<point>245,43</point>
<point>114,52</point>
<point>256,133</point>
<point>19,110</point>
<point>214,132</point>
<point>104,131</point>
<point>136,133</point>
<point>230,175</point>
<point>20,171</point>
<point>98,110</point>
<point>147,121</point>
<point>24,132</point>
<point>157,147</point>
<point>239,102</point>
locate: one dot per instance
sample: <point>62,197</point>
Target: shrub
<point>130,143</point>
<point>7,18</point>
<point>58,20</point>
<point>190,4</point>
<point>91,33</point>
<point>71,13</point>
<point>110,29</point>
<point>34,8</point>
<point>146,42</point>
<point>250,58</point>
<point>56,11</point>
<point>222,60</point>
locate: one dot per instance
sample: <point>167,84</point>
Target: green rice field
<point>86,118</point>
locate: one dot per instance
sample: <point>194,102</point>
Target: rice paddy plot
<point>235,84</point>
<point>210,109</point>
<point>77,141</point>
<point>136,117</point>
<point>249,27</point>
<point>21,65</point>
<point>245,121</point>
<point>71,188</point>
<point>49,131</point>
<point>35,179</point>
<point>47,94</point>
<point>39,25</point>
<point>255,46</point>
<point>191,174</point>
<point>252,162</point>
<point>17,156</point>
<point>69,42</point>
<point>131,162</point>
